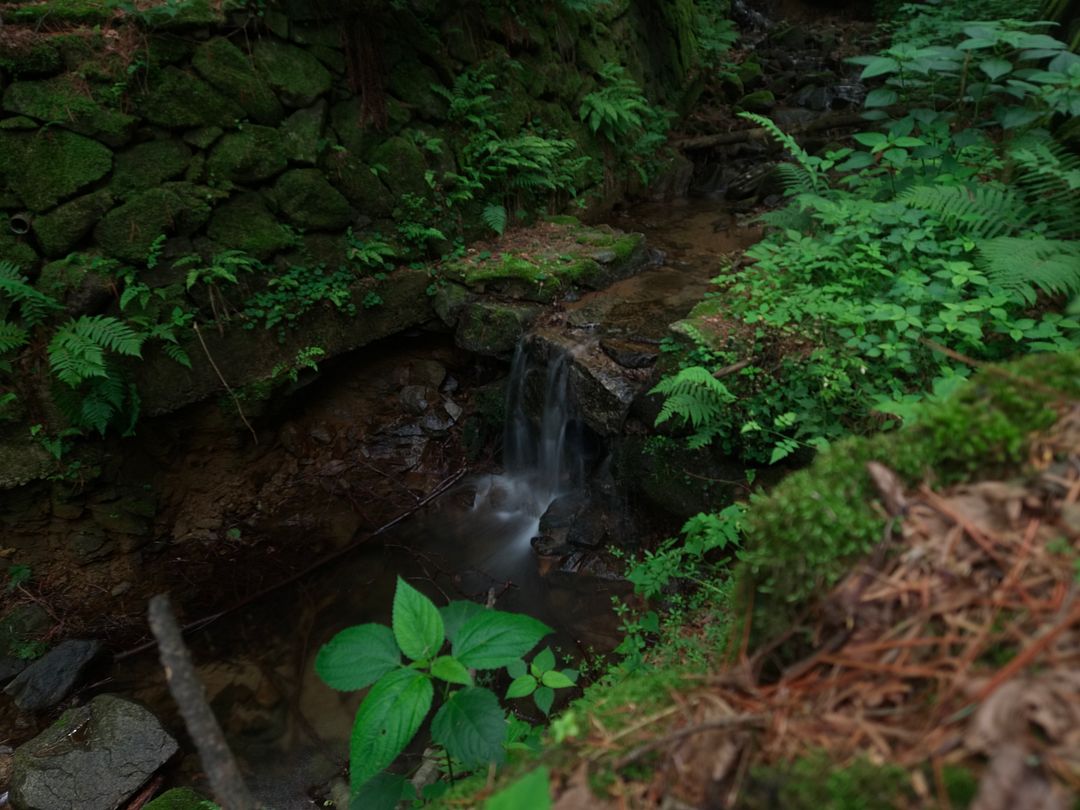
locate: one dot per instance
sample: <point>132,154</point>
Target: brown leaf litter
<point>956,643</point>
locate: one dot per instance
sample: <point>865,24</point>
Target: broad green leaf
<point>879,66</point>
<point>530,792</point>
<point>494,639</point>
<point>871,139</point>
<point>382,792</point>
<point>544,697</point>
<point>881,97</point>
<point>521,687</point>
<point>449,669</point>
<point>471,726</point>
<point>995,68</point>
<point>456,614</point>
<point>357,657</point>
<point>418,627</point>
<point>516,669</point>
<point>387,721</point>
<point>556,680</point>
<point>544,660</point>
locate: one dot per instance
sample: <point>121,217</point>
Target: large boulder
<point>128,232</point>
<point>63,228</point>
<point>148,165</point>
<point>179,99</point>
<point>254,153</point>
<point>493,328</point>
<point>296,76</point>
<point>64,102</point>
<point>244,223</point>
<point>309,201</point>
<point>232,73</point>
<point>48,166</point>
<point>93,758</point>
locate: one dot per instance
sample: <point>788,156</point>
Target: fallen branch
<point>187,690</point>
<point>220,376</point>
<point>830,121</point>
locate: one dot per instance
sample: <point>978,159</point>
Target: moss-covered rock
<point>760,101</point>
<point>230,70</point>
<point>254,153</point>
<point>61,101</point>
<point>302,131</point>
<point>245,223</point>
<point>309,201</point>
<point>360,185</point>
<point>176,208</point>
<point>296,76</point>
<point>148,165</point>
<point>203,137</point>
<point>493,328</point>
<point>412,83</point>
<point>77,285</point>
<point>15,249</point>
<point>184,14</point>
<point>51,165</point>
<point>404,164</point>
<point>179,799</point>
<point>355,135</point>
<point>63,228</point>
<point>21,58</point>
<point>180,99</point>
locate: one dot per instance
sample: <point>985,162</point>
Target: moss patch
<point>405,166</point>
<point>48,166</point>
<point>64,102</point>
<point>229,70</point>
<point>180,99</point>
<point>302,131</point>
<point>254,153</point>
<point>176,208</point>
<point>309,201</point>
<point>360,185</point>
<point>61,230</point>
<point>148,165</point>
<point>296,76</point>
<point>244,223</point>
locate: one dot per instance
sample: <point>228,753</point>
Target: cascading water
<point>540,462</point>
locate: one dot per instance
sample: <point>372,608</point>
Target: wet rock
<point>492,328</point>
<point>321,435</point>
<point>435,425</point>
<point>429,373</point>
<point>562,513</point>
<point>10,666</point>
<point>49,679</point>
<point>814,97</point>
<point>453,410</point>
<point>7,765</point>
<point>749,183</point>
<point>547,546</point>
<point>91,544</point>
<point>93,758</point>
<point>629,354</point>
<point>414,398</point>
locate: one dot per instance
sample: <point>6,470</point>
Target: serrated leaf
<point>543,698</point>
<point>879,66</point>
<point>556,680</point>
<point>520,687</point>
<point>544,660</point>
<point>386,722</point>
<point>530,792</point>
<point>449,669</point>
<point>494,639</point>
<point>382,792</point>
<point>871,139</point>
<point>456,614</point>
<point>472,727</point>
<point>418,626</point>
<point>357,657</point>
<point>881,97</point>
<point>995,67</point>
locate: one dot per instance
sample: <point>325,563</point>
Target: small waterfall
<point>541,460</point>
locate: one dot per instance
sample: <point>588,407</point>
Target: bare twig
<point>187,690</point>
<point>235,399</point>
<point>721,724</point>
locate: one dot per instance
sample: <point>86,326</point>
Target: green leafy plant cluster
<point>943,235</point>
<point>408,672</point>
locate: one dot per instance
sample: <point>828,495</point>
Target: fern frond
<point>1049,176</point>
<point>34,306</point>
<point>495,217</point>
<point>804,159</point>
<point>982,212</point>
<point>1023,266</point>
<point>694,395</point>
<point>12,337</point>
<point>794,179</point>
<point>77,350</point>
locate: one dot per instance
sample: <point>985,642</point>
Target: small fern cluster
<point>695,397</point>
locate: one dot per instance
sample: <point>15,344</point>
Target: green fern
<point>812,174</point>
<point>495,217</point>
<point>617,108</point>
<point>697,398</point>
<point>1049,176</point>
<point>981,212</point>
<point>77,350</point>
<point>34,306</point>
<point>12,337</point>
<point>1024,265</point>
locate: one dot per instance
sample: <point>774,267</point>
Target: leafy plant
<point>495,217</point>
<point>224,267</point>
<point>17,575</point>
<point>539,679</point>
<point>469,724</point>
<point>696,397</point>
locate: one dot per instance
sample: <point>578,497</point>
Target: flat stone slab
<point>49,679</point>
<point>93,758</point>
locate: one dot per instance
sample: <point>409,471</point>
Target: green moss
<point>815,783</point>
<point>302,132</point>
<point>63,102</point>
<point>405,166</point>
<point>254,153</point>
<point>148,165</point>
<point>295,75</point>
<point>232,73</point>
<point>174,209</point>
<point>182,14</point>
<point>61,230</point>
<point>493,328</point>
<point>760,101</point>
<point>802,538</point>
<point>412,82</point>
<point>15,248</point>
<point>203,137</point>
<point>84,12</point>
<point>48,166</point>
<point>359,139</point>
<point>180,799</point>
<point>33,58</point>
<point>180,99</point>
<point>244,223</point>
<point>309,201</point>
<point>357,182</point>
